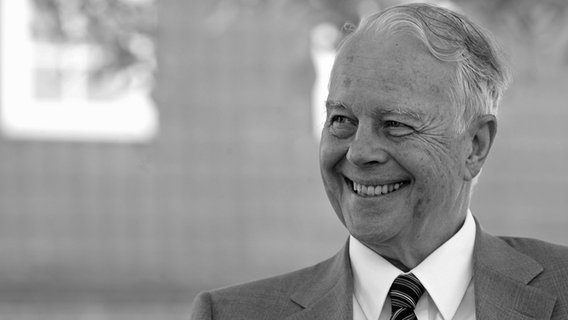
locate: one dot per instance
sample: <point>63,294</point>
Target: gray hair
<point>481,75</point>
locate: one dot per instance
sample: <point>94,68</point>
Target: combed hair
<point>481,76</point>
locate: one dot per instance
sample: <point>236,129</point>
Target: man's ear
<point>482,134</point>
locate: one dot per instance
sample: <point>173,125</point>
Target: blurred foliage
<point>524,20</point>
<point>536,31</point>
<point>529,16</point>
<point>124,31</point>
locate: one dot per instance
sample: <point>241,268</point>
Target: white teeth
<point>378,190</point>
<point>375,190</point>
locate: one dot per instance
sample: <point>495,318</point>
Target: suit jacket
<point>514,278</point>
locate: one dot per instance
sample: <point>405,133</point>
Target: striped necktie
<point>404,293</point>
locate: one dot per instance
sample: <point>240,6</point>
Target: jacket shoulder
<point>523,274</point>
<point>267,298</point>
<point>553,257</point>
<point>281,285</point>
<point>554,260</point>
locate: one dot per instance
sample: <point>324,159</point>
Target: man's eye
<point>398,129</point>
<point>342,126</point>
<point>394,124</point>
<point>339,119</point>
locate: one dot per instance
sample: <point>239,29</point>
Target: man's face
<point>391,160</point>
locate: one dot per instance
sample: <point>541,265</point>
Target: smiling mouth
<point>376,190</point>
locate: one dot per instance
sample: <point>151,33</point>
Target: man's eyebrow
<point>415,115</point>
<point>331,104</point>
<point>382,112</point>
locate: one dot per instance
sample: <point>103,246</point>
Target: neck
<point>397,264</point>
<point>406,256</point>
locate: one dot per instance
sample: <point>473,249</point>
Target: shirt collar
<point>372,278</point>
<point>445,273</point>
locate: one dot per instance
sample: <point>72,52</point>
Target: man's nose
<point>367,149</point>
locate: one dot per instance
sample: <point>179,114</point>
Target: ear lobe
<point>482,134</point>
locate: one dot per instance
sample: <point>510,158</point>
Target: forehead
<point>394,71</point>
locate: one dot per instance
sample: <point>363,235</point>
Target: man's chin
<point>371,234</point>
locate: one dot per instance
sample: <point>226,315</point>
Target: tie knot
<point>405,292</point>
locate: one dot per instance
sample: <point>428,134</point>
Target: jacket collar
<point>328,293</point>
<point>501,277</point>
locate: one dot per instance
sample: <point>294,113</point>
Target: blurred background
<point>152,149</point>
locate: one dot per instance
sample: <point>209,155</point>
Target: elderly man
<point>410,121</point>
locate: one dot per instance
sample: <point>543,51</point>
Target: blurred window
<point>78,70</point>
<point>323,40</point>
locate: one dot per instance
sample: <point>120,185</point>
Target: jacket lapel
<point>328,294</point>
<point>501,278</point>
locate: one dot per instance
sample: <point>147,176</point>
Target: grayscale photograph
<point>283,159</point>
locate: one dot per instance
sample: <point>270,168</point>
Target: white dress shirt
<point>446,274</point>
